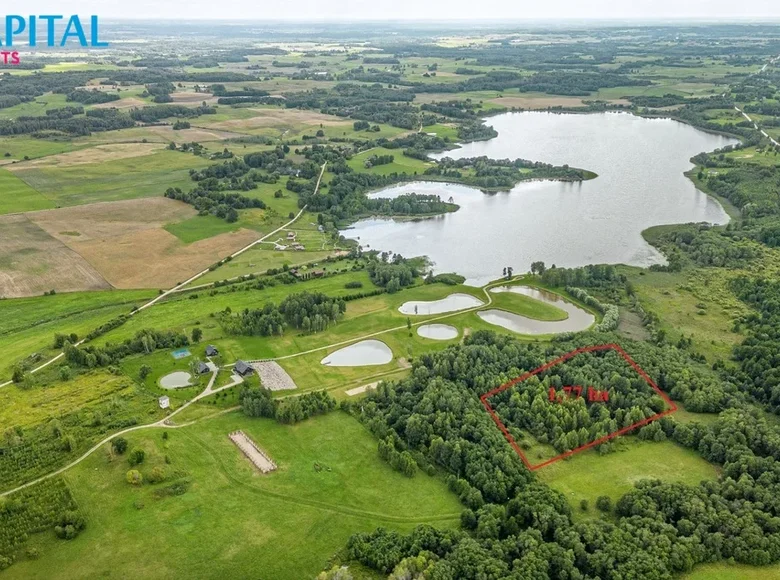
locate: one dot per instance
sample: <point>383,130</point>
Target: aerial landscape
<point>361,298</point>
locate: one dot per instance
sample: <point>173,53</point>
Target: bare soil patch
<point>108,220</point>
<point>33,262</point>
<point>361,389</point>
<point>90,155</point>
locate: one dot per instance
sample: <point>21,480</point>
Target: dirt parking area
<point>33,262</point>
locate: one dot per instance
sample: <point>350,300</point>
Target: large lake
<point>640,164</point>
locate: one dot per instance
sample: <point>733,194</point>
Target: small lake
<point>452,303</point>
<point>578,319</point>
<point>437,331</point>
<point>639,162</point>
<point>176,380</point>
<point>363,353</point>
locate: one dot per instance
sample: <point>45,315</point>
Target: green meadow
<point>130,178</point>
<point>16,196</point>
<point>232,521</point>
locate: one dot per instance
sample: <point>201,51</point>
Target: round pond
<point>176,380</point>
<point>363,353</point>
<point>438,331</point>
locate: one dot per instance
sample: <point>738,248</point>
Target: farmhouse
<point>165,402</point>
<point>290,235</point>
<point>211,350</point>
<point>241,368</point>
<point>203,368</point>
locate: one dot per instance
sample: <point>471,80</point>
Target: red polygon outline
<point>484,398</point>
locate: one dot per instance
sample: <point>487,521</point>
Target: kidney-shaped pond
<point>176,380</point>
<point>363,353</point>
<point>578,319</point>
<point>639,162</point>
<point>452,303</point>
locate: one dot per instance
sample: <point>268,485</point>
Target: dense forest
<point>515,527</point>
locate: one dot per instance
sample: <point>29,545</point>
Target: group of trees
<point>258,402</point>
<point>217,203</point>
<point>306,311</point>
<point>394,273</point>
<point>144,342</point>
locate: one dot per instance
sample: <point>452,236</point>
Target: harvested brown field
<point>108,220</point>
<point>193,98</point>
<point>97,154</point>
<point>155,258</point>
<point>33,262</point>
<point>282,118</point>
<point>126,103</point>
<point>541,102</point>
<point>198,134</point>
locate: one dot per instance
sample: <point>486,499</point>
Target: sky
<point>348,10</point>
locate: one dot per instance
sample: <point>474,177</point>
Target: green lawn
<point>233,522</point>
<point>130,178</point>
<point>588,475</point>
<point>17,196</point>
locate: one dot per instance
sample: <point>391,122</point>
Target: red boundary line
<point>617,348</point>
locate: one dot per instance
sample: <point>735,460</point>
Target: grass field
<point>17,196</point>
<point>588,475</point>
<point>28,325</point>
<point>112,180</point>
<point>233,522</point>
<point>726,571</point>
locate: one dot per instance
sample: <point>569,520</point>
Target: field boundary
<point>602,347</point>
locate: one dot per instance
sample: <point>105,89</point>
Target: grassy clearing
<point>17,196</point>
<point>401,163</point>
<point>588,475</point>
<point>128,178</point>
<point>695,303</point>
<point>233,522</point>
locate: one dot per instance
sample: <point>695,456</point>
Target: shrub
<point>134,477</point>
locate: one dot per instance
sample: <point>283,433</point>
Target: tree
<point>65,373</point>
<point>584,505</point>
<point>538,268</point>
<point>136,456</point>
<point>144,372</point>
<point>119,445</point>
<point>604,503</point>
<point>18,374</point>
<point>134,477</point>
<point>197,334</point>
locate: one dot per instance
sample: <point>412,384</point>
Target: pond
<point>438,331</point>
<point>639,162</point>
<point>363,353</point>
<point>452,303</point>
<point>578,318</point>
<point>176,380</point>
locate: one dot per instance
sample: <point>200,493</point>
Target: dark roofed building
<point>211,350</point>
<point>203,368</point>
<point>243,369</point>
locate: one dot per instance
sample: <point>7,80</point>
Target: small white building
<point>165,402</point>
